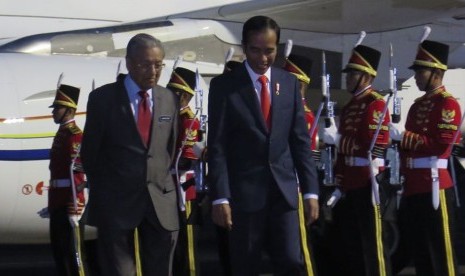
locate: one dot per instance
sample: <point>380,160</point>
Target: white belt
<point>354,161</point>
<point>433,163</point>
<point>60,183</point>
<point>426,163</point>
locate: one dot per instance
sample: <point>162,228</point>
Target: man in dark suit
<point>257,142</point>
<point>127,150</point>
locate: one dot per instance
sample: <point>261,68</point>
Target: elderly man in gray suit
<point>127,150</point>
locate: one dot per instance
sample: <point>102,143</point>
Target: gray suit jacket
<point>120,169</point>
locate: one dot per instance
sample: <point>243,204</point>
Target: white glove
<point>335,196</point>
<point>74,220</point>
<point>74,215</point>
<point>330,135</point>
<point>43,213</point>
<point>396,131</point>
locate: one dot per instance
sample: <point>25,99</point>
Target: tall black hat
<point>67,96</point>
<point>364,59</point>
<point>182,79</point>
<point>231,65</point>
<point>299,66</point>
<point>431,54</point>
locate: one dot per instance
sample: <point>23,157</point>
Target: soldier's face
<point>260,50</point>
<point>353,80</point>
<point>58,114</point>
<point>145,67</point>
<point>422,77</point>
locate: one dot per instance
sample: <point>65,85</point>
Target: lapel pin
<point>277,88</point>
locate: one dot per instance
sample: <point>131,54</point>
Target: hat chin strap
<point>62,119</point>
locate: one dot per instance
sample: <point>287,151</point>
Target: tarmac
<point>36,260</point>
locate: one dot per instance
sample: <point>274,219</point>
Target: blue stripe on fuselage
<point>24,155</point>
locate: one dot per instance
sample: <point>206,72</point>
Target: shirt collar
<point>133,88</point>
<point>67,122</point>
<point>254,76</point>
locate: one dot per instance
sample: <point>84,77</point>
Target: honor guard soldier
<point>182,83</point>
<point>300,67</point>
<point>426,209</point>
<point>356,215</point>
<point>65,233</point>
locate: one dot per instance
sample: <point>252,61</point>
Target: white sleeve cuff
<point>220,201</point>
<point>307,196</point>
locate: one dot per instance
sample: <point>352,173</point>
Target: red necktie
<point>144,117</point>
<point>265,100</point>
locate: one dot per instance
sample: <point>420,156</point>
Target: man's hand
<point>43,213</point>
<point>312,210</point>
<point>74,214</point>
<point>74,220</point>
<point>396,131</point>
<point>330,135</point>
<point>221,215</point>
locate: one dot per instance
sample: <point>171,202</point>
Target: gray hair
<point>143,41</point>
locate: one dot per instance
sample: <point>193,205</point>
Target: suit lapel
<point>126,109</point>
<point>156,98</point>
<point>250,97</point>
<point>275,96</point>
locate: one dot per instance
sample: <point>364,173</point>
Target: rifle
<point>203,127</point>
<point>76,230</point>
<point>392,153</point>
<point>373,167</point>
<point>327,154</point>
<point>451,161</point>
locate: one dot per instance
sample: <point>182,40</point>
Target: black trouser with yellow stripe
<point>186,261</point>
<point>361,231</point>
<point>62,242</point>
<point>430,233</point>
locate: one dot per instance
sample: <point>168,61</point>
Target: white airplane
<point>30,65</point>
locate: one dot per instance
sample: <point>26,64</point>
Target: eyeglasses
<point>148,66</point>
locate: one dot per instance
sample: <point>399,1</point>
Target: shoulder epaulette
<point>376,95</point>
<point>74,129</point>
<point>445,94</point>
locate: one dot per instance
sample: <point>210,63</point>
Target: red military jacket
<point>310,118</point>
<point>431,124</point>
<point>64,148</point>
<point>189,132</point>
<point>358,123</point>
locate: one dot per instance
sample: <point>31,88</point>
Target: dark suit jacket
<point>243,156</point>
<point>119,166</point>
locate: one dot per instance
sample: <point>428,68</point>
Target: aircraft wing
<point>339,16</point>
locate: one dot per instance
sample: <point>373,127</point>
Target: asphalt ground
<point>36,260</point>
